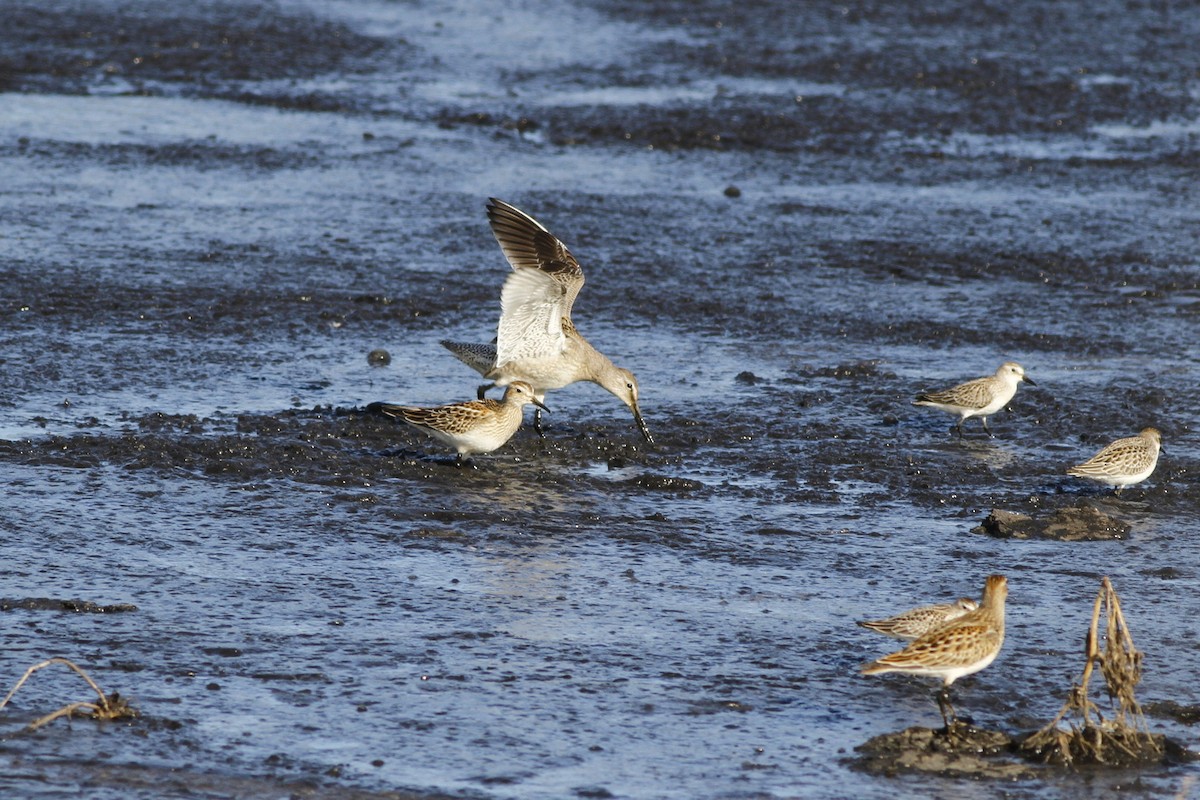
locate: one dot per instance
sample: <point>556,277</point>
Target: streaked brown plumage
<point>961,647</point>
<point>917,622</point>
<point>476,426</point>
<point>1124,462</point>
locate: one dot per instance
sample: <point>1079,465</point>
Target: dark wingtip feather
<point>386,409</point>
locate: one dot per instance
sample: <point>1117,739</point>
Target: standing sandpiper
<point>537,342</point>
<point>960,647</point>
<point>981,397</point>
<point>477,426</point>
<point>1124,462</point>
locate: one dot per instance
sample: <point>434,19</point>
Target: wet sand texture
<point>793,219</point>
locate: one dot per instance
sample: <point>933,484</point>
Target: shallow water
<point>200,248</point>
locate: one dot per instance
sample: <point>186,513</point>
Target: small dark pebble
<point>732,191</point>
<point>213,687</point>
<point>747,377</point>
<point>379,357</point>
<point>377,762</point>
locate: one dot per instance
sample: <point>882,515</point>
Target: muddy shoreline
<point>792,221</point>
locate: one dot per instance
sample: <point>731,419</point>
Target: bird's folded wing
<point>954,645</point>
<point>451,418</point>
<point>972,394</point>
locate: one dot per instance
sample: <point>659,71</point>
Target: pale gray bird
<point>981,397</point>
<point>1124,462</point>
<point>536,341</point>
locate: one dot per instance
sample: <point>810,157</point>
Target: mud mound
<point>964,752</point>
<point>1117,753</point>
<point>1081,523</point>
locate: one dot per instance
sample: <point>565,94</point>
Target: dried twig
<point>107,707</point>
<point>1093,739</point>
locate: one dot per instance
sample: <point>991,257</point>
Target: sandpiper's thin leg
<point>986,428</point>
<point>481,392</point>
<point>949,718</point>
<point>958,427</point>
<point>537,422</point>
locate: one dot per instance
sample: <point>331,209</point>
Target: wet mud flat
<point>792,222</point>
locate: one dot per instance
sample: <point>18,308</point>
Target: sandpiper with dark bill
<point>981,397</point>
<point>1124,462</point>
<point>476,426</point>
<point>961,647</point>
<point>537,342</point>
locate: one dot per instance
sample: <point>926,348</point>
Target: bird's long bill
<point>1029,380</point>
<point>540,405</point>
<point>641,423</point>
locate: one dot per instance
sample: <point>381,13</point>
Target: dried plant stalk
<point>1089,737</point>
<point>107,707</point>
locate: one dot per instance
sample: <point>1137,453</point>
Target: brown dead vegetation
<point>108,707</point>
<point>1121,740</point>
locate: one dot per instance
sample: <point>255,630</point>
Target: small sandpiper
<point>1124,462</point>
<point>917,622</point>
<point>477,426</point>
<point>536,340</point>
<point>961,647</point>
<point>981,397</point>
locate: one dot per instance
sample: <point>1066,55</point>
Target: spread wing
<point>531,317</point>
<point>528,245</point>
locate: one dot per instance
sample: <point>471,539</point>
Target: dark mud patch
<point>199,155</point>
<point>967,752</point>
<point>1144,750</point>
<point>63,299</point>
<point>66,47</point>
<point>1080,523</point>
<point>136,780</point>
<point>664,483</point>
<point>73,606</point>
<point>1170,709</point>
<point>926,84</point>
